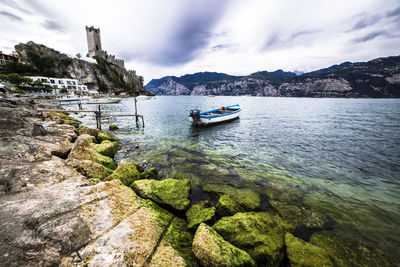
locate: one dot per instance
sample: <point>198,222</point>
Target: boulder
<point>113,127</point>
<point>87,130</point>
<point>232,199</point>
<point>107,148</point>
<point>212,250</point>
<point>150,173</point>
<point>170,192</point>
<point>301,253</point>
<point>199,213</point>
<point>101,136</point>
<point>90,169</point>
<point>126,172</point>
<point>259,233</point>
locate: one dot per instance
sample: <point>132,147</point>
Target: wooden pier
<point>98,114</point>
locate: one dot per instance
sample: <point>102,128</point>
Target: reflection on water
<point>337,156</point>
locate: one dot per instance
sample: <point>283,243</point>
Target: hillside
<point>378,78</point>
<point>40,60</point>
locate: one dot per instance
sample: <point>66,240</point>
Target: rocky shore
<point>66,202</point>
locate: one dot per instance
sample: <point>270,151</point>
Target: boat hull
<point>104,101</point>
<point>212,117</point>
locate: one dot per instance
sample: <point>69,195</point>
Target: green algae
<point>212,250</point>
<point>101,136</point>
<point>113,127</point>
<point>171,192</point>
<point>103,160</point>
<point>90,169</point>
<point>87,130</point>
<point>150,173</point>
<point>301,253</point>
<point>199,213</point>
<point>126,172</point>
<point>258,233</point>
<point>107,148</point>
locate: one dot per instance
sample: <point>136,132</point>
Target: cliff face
<point>377,78</point>
<point>102,76</point>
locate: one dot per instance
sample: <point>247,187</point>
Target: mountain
<point>40,60</point>
<point>378,78</point>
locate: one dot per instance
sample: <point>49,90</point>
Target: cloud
<point>367,21</point>
<point>53,26</point>
<point>10,16</point>
<point>369,36</point>
<point>393,13</point>
<point>14,5</point>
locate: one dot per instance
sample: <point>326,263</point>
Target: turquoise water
<point>337,157</point>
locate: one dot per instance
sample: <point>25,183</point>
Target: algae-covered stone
<point>233,200</point>
<point>126,172</point>
<point>212,250</point>
<point>171,192</point>
<point>113,127</point>
<point>90,169</point>
<point>101,136</point>
<point>301,253</point>
<point>199,213</point>
<point>258,233</point>
<point>175,248</point>
<point>65,119</point>
<point>150,173</point>
<point>87,130</point>
<point>107,148</point>
<point>104,160</point>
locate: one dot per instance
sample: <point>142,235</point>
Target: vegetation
<point>112,74</point>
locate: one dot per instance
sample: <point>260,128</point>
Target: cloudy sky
<point>176,37</point>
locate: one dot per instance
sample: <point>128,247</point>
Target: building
<point>71,85</point>
<point>7,58</point>
<point>95,49</point>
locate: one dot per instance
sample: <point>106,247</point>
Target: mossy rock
<point>232,199</point>
<point>90,169</point>
<point>104,160</point>
<point>101,136</point>
<point>87,130</point>
<point>212,250</point>
<point>199,213</point>
<point>258,233</point>
<point>170,192</point>
<point>65,119</point>
<point>150,173</point>
<point>107,148</point>
<point>301,253</point>
<point>113,127</point>
<point>126,172</point>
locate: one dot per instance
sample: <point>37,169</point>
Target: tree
<point>78,55</point>
<point>141,80</point>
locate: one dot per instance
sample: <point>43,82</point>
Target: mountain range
<point>378,78</point>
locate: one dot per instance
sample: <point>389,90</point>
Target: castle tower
<point>94,42</point>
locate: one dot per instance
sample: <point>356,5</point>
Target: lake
<point>331,164</point>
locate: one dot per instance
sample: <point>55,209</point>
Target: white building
<point>72,85</point>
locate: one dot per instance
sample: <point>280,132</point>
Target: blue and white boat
<point>218,115</point>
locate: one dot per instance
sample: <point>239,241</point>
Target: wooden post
<point>136,116</point>
<point>98,118</point>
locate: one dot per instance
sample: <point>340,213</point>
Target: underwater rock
<point>101,136</point>
<point>199,213</point>
<point>171,192</point>
<point>233,200</point>
<point>301,253</point>
<point>150,173</point>
<point>87,130</point>
<point>107,148</point>
<point>258,233</point>
<point>126,172</point>
<point>113,127</point>
<point>212,250</point>
<point>175,248</point>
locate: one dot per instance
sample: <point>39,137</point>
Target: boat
<point>73,99</point>
<point>211,96</point>
<point>143,97</point>
<point>218,115</point>
<point>107,100</point>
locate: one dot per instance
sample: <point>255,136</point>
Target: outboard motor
<point>195,114</point>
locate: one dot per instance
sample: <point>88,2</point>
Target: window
<point>61,82</point>
<point>44,80</point>
<point>52,81</point>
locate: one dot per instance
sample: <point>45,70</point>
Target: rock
<point>84,150</point>
<point>171,192</point>
<point>113,127</point>
<point>126,172</point>
<point>101,136</point>
<point>87,130</point>
<point>175,249</point>
<point>150,173</point>
<point>107,148</point>
<point>233,200</point>
<point>301,253</point>
<point>90,169</point>
<point>199,213</point>
<point>212,250</point>
<point>258,233</point>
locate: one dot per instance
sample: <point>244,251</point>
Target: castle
<point>94,47</point>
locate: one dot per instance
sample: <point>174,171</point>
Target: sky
<point>175,37</point>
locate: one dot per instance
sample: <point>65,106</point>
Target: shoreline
<point>90,221</point>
